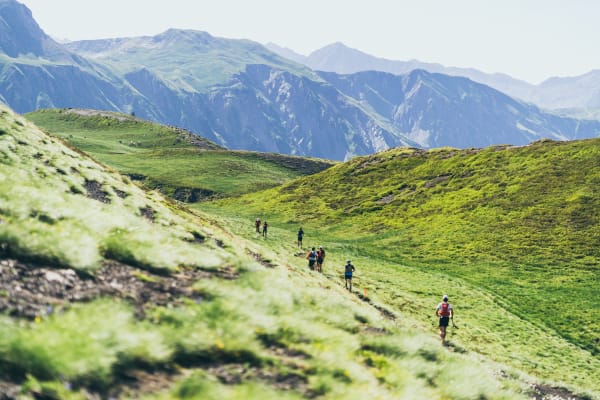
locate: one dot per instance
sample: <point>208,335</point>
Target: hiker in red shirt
<point>257,225</point>
<point>445,313</point>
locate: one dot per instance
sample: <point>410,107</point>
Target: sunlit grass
<point>294,332</point>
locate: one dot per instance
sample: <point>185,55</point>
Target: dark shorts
<point>348,276</point>
<point>319,260</point>
<point>299,238</point>
<point>311,264</point>
<point>444,321</point>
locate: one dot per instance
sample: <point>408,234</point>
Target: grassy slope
<point>168,157</point>
<point>512,232</point>
<point>271,333</point>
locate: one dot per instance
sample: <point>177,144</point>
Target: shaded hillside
<point>108,291</point>
<point>522,222</point>
<point>182,165</point>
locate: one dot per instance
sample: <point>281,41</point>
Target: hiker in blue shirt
<point>348,270</point>
<point>300,235</point>
<point>312,258</point>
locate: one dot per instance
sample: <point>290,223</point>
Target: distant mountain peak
<point>19,33</point>
<point>174,34</point>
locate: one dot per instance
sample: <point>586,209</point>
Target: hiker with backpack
<point>257,225</point>
<point>312,258</point>
<point>445,313</point>
<point>265,227</point>
<point>320,258</point>
<point>300,236</point>
<point>348,270</point>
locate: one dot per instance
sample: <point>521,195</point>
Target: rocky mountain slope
<point>437,110</point>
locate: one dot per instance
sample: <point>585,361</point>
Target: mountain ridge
<point>553,93</point>
<point>240,95</point>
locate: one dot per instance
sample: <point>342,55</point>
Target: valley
<point>139,296</point>
<point>418,224</point>
<point>132,170</point>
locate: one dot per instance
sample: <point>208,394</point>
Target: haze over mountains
<point>243,96</point>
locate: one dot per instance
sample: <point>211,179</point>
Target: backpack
<point>445,310</point>
<point>312,255</point>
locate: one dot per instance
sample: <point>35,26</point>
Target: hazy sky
<point>528,39</point>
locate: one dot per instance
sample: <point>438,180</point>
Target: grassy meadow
<point>510,233</point>
<point>180,164</point>
<point>252,324</point>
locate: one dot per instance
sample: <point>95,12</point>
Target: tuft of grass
<point>86,346</point>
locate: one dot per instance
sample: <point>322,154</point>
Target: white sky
<point>527,39</point>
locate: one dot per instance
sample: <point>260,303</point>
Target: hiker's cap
<point>348,261</point>
<point>320,247</point>
<point>445,297</point>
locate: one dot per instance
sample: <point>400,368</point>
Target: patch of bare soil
<point>148,213</point>
<point>92,113</point>
<point>547,392</point>
<point>261,260</point>
<point>234,374</point>
<point>94,191</point>
<point>137,383</point>
<point>28,291</point>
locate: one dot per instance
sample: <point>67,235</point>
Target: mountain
<point>37,72</point>
<point>580,92</point>
<point>240,95</point>
<point>438,110</point>
<point>286,53</point>
<point>20,35</point>
<point>342,59</point>
<point>186,60</point>
<point>575,92</point>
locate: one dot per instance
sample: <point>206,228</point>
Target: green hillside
<point>108,291</point>
<point>512,233</point>
<point>180,164</point>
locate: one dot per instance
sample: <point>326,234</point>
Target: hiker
<point>257,225</point>
<point>348,270</point>
<point>264,232</point>
<point>312,258</point>
<point>300,235</point>
<point>320,258</point>
<point>445,313</point>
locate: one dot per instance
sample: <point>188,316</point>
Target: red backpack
<point>445,310</point>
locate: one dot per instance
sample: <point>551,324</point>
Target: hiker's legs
<point>443,325</point>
